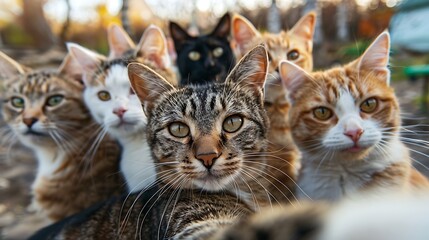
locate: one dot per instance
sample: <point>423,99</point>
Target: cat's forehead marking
<point>117,75</point>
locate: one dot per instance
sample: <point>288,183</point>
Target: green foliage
<point>13,34</point>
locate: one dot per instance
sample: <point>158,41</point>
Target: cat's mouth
<point>31,132</point>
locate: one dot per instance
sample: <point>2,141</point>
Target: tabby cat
<point>203,58</point>
<point>346,122</point>
<point>295,45</point>
<point>113,103</point>
<point>46,113</point>
<point>206,140</point>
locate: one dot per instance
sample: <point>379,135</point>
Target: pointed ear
<point>223,28</point>
<point>292,77</point>
<point>153,46</point>
<point>252,69</point>
<point>71,67</point>
<point>119,41</point>
<point>87,59</point>
<point>304,29</point>
<point>147,84</point>
<point>376,57</point>
<point>243,32</point>
<point>9,67</point>
<point>179,35</point>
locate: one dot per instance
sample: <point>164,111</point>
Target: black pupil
<point>322,111</point>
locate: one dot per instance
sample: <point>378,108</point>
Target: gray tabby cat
<point>204,140</point>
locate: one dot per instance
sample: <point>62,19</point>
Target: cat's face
<point>295,45</point>
<point>206,136</point>
<point>42,108</point>
<point>108,92</point>
<point>346,111</point>
<point>203,58</point>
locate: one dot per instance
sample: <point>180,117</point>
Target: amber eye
<point>17,102</point>
<point>232,123</point>
<point>292,55</point>
<point>322,113</point>
<point>369,105</point>
<point>217,52</point>
<point>54,100</point>
<point>104,95</point>
<point>194,56</point>
<point>179,129</point>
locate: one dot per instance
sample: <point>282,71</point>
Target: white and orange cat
<point>112,102</point>
<point>295,45</point>
<point>45,112</point>
<point>346,122</point>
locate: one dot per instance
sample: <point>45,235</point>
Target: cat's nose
<point>207,159</point>
<point>209,62</point>
<point>119,111</point>
<point>354,134</point>
<point>30,121</point>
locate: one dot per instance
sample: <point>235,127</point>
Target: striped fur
<point>72,174</point>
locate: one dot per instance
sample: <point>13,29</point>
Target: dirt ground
<point>17,169</point>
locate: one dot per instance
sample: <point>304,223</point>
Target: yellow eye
<point>322,113</point>
<point>17,102</point>
<point>179,129</point>
<point>217,52</point>
<point>104,95</point>
<point>369,105</point>
<point>54,100</point>
<point>293,55</point>
<point>232,123</point>
<point>194,56</point>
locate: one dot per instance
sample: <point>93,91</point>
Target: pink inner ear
<point>243,33</point>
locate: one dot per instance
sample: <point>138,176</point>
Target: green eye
<point>293,55</point>
<point>194,56</point>
<point>104,95</point>
<point>54,100</point>
<point>232,123</point>
<point>217,52</point>
<point>322,113</point>
<point>179,129</point>
<point>369,105</point>
<point>17,102</point>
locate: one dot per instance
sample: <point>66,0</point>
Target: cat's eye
<point>194,56</point>
<point>292,55</point>
<point>54,100</point>
<point>369,105</point>
<point>104,95</point>
<point>322,113</point>
<point>179,129</point>
<point>232,123</point>
<point>17,102</point>
<point>217,52</point>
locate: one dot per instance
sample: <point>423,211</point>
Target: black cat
<point>203,58</point>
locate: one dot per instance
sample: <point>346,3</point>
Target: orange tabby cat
<point>295,45</point>
<point>45,111</point>
<point>346,122</point>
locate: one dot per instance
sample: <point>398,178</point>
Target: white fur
<point>136,162</point>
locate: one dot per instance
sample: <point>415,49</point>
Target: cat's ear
<point>252,69</point>
<point>304,29</point>
<point>376,57</point>
<point>71,68</point>
<point>223,28</point>
<point>9,67</point>
<point>88,60</point>
<point>147,84</point>
<point>243,32</point>
<point>153,46</point>
<point>179,35</point>
<point>119,41</point>
<point>292,76</point>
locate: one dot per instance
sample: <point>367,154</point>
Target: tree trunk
<point>125,17</point>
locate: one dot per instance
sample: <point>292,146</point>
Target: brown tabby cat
<point>205,140</point>
<point>295,45</point>
<point>346,122</point>
<point>46,113</point>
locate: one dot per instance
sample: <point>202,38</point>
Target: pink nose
<point>120,112</point>
<point>354,134</point>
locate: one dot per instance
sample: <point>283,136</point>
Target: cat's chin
<point>212,183</point>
